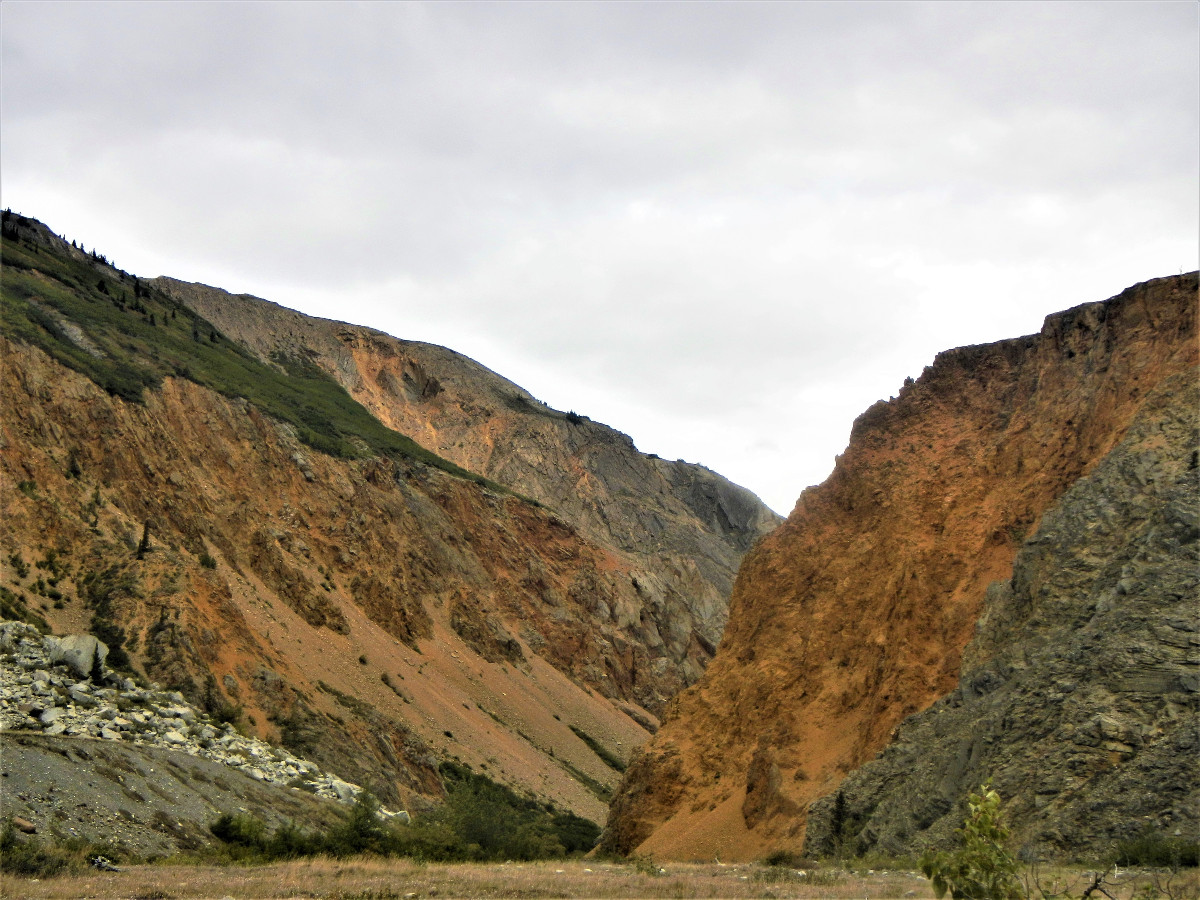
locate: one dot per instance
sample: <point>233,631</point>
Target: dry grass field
<point>372,879</point>
<point>377,879</point>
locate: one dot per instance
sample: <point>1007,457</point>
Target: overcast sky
<point>723,228</point>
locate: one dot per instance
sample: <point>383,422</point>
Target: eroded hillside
<point>682,528</point>
<point>855,613</point>
<point>249,534</point>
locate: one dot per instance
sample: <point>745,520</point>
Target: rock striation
<point>855,613</point>
<point>1078,693</point>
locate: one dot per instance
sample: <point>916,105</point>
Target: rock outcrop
<point>682,528</point>
<point>855,613</point>
<point>81,653</point>
<point>1078,694</point>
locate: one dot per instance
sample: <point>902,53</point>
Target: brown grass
<point>370,879</point>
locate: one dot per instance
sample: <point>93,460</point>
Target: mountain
<point>682,527</point>
<point>241,529</point>
<point>886,615</point>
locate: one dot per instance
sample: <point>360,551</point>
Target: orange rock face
<point>855,612</point>
<point>377,614</point>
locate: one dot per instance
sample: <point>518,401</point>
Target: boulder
<point>79,652</point>
<point>345,792</point>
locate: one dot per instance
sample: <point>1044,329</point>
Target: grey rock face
<point>1078,696</point>
<point>81,652</point>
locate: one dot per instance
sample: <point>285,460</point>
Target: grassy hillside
<point>128,336</point>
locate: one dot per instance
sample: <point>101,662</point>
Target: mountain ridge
<point>342,590</point>
<point>684,527</point>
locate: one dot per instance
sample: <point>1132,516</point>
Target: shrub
<point>981,869</point>
<point>27,858</point>
<point>480,820</point>
<point>362,831</point>
<point>1153,848</point>
<point>240,830</point>
<point>31,858</point>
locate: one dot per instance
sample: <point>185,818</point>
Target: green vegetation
<point>1152,848</point>
<point>608,758</point>
<point>127,336</point>
<point>480,821</point>
<point>14,606</point>
<point>99,589</point>
<point>496,824</point>
<point>981,869</point>
<point>20,567</point>
<point>33,858</point>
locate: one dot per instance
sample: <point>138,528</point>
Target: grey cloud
<point>686,211</point>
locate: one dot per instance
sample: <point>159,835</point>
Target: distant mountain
<point>241,528</point>
<point>886,615</point>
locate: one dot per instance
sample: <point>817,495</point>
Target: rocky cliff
<point>1078,692</point>
<point>682,528</point>
<point>248,535</point>
<point>855,613</point>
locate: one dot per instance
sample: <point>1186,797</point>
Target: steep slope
<point>682,528</point>
<point>1078,692</point>
<point>854,614</point>
<point>251,536</point>
<point>289,584</point>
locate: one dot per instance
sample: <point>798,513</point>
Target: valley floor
<point>403,880</point>
<point>373,879</point>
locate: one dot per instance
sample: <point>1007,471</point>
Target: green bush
<point>28,858</point>
<point>1154,849</point>
<point>362,831</point>
<point>480,821</point>
<point>240,830</point>
<point>981,869</point>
